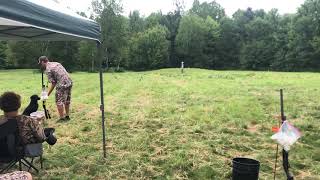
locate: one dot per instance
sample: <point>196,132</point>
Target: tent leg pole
<point>102,101</point>
<point>102,114</point>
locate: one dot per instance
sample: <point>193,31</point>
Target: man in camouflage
<point>59,79</point>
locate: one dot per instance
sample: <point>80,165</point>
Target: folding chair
<point>12,151</point>
<point>32,151</point>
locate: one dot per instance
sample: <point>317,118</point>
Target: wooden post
<point>182,66</point>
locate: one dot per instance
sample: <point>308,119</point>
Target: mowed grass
<point>167,125</point>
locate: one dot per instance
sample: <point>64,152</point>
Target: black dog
<point>33,105</point>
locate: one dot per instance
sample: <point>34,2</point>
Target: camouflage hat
<point>42,58</point>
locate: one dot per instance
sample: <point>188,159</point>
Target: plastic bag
<point>287,135</point>
<point>44,95</point>
<point>37,114</point>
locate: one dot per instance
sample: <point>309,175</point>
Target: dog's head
<point>35,98</point>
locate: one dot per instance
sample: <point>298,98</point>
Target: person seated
<point>30,129</point>
<point>17,175</point>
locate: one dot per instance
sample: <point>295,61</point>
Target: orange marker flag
<point>275,129</point>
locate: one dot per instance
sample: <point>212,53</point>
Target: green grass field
<point>165,125</point>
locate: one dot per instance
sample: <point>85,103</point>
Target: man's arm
<point>52,80</point>
<point>51,88</point>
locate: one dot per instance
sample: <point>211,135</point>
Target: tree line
<point>202,37</point>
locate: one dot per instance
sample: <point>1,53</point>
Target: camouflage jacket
<point>30,129</point>
<point>57,74</point>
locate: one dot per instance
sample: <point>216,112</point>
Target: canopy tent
<point>46,20</point>
<point>35,20</point>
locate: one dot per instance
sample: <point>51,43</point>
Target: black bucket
<point>245,169</point>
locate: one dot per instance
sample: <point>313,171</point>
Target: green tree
<point>114,28</point>
<point>258,51</point>
<point>3,56</point>
<point>228,45</point>
<point>136,23</point>
<point>64,52</point>
<point>191,40</point>
<point>172,22</point>
<point>212,36</point>
<point>154,19</point>
<point>303,53</point>
<point>149,49</point>
<point>87,54</point>
<point>196,41</point>
<point>212,9</point>
<point>23,54</point>
<point>282,30</point>
<point>241,18</point>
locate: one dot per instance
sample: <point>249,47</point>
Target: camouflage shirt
<point>57,74</point>
<point>30,130</point>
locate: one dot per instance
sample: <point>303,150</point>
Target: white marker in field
<point>182,66</point>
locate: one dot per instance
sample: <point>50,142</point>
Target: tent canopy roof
<point>43,20</point>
